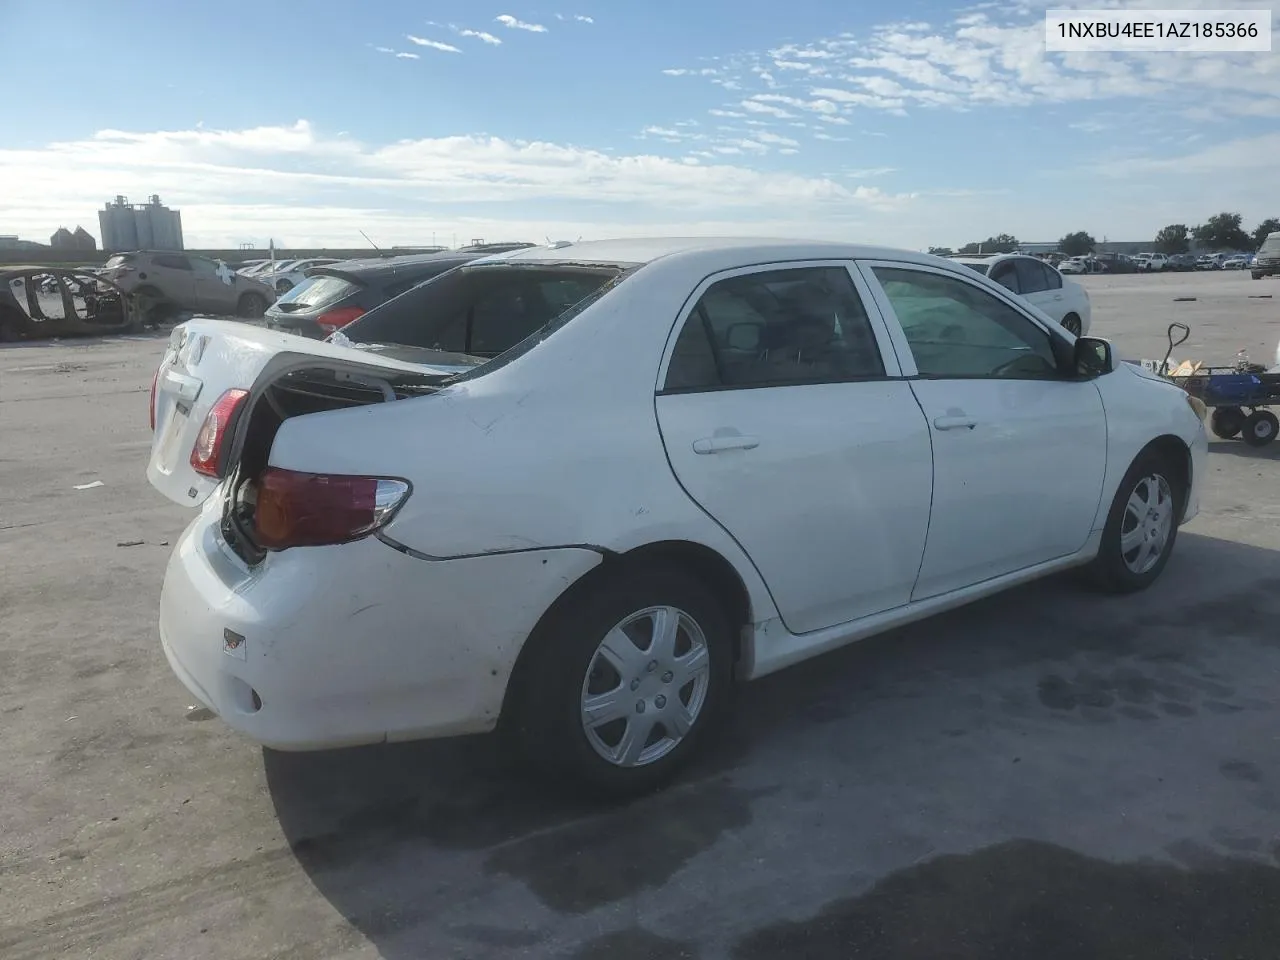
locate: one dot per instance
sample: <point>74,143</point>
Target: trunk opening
<point>297,393</point>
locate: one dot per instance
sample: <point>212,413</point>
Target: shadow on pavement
<point>444,849</point>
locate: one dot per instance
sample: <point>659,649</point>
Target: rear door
<point>205,358</point>
<point>784,416</point>
<point>216,287</point>
<point>1041,286</point>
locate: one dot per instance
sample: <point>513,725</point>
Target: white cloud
<point>687,72</point>
<point>755,106</point>
<point>829,137</point>
<point>488,38</point>
<point>993,56</point>
<point>433,44</point>
<point>512,23</point>
<point>233,185</point>
<point>407,56</point>
<point>584,19</point>
<point>862,174</point>
<point>765,136</point>
<point>717,112</point>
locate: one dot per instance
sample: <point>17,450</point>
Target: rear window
<point>484,311</point>
<point>319,291</point>
<point>980,267</point>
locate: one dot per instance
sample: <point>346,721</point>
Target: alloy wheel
<point>645,687</point>
<point>1147,523</point>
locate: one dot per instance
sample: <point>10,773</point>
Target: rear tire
<point>1260,428</point>
<point>1256,276</point>
<point>621,718</point>
<point>1226,422</point>
<point>251,306</point>
<point>1072,324</point>
<point>1142,525</point>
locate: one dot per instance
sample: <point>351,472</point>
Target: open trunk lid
<point>206,358</point>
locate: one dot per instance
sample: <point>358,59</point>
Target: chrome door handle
<point>954,423</point>
<point>721,444</point>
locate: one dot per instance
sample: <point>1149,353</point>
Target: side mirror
<point>1093,357</point>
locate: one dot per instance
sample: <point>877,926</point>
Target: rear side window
<point>319,291</point>
<point>171,262</point>
<point>780,327</point>
<point>482,311</point>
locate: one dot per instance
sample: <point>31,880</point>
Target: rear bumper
<point>352,644</point>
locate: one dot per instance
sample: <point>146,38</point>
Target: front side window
<point>779,327</point>
<point>957,330</point>
<point>171,262</point>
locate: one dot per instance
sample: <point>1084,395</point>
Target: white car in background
<point>1039,284</point>
<point>288,274</point>
<point>578,493</point>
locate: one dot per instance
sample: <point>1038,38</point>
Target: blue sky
<point>911,123</point>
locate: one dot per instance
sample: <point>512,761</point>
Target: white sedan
<point>577,494</point>
<point>1039,284</point>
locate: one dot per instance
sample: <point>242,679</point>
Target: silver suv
<point>187,282</point>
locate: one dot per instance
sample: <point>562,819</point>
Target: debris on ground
<point>90,486</point>
<point>130,543</point>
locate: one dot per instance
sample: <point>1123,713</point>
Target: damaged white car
<point>578,493</point>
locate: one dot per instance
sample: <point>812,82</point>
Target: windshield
<point>483,311</point>
<point>1270,246</point>
<point>119,260</point>
<point>980,267</point>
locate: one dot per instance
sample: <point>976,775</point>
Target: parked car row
<point>1039,284</point>
<point>578,493</point>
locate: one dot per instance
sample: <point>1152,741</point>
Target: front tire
<point>1071,323</point>
<point>1142,526</point>
<point>626,682</point>
<point>1260,428</point>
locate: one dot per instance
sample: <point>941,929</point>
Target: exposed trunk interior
<point>298,393</point>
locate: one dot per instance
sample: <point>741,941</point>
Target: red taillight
<point>337,319</point>
<point>207,452</point>
<point>155,377</point>
<point>312,509</point>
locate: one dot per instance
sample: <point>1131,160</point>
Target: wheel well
<point>708,566</point>
<point>1178,453</point>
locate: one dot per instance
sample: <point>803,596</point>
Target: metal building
<point>140,226</point>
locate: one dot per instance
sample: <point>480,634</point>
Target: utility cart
<point>1238,395</point>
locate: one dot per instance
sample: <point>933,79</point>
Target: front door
<point>1019,448</point>
<point>172,275</point>
<point>784,417</point>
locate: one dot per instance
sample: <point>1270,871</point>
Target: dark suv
<point>335,294</point>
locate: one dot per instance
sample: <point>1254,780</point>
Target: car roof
<point>716,252</point>
<point>390,266</point>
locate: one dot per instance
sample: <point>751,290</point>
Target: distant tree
<point>1270,225</point>
<point>1003,243</point>
<point>941,251</point>
<point>1173,239</point>
<point>1077,244</point>
<point>1222,232</point>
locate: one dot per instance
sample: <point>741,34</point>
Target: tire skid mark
<point>117,917</point>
